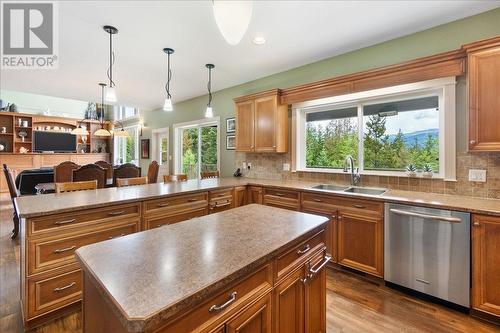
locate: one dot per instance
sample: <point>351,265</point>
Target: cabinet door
<point>245,126</point>
<point>240,195</point>
<point>486,264</point>
<point>360,242</point>
<point>255,319</point>
<point>265,122</point>
<point>255,195</point>
<point>315,296</point>
<point>289,304</point>
<point>484,100</point>
<point>331,232</point>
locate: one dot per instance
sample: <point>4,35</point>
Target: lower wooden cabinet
<point>360,242</point>
<point>254,319</point>
<point>240,196</point>
<point>486,264</point>
<point>280,198</point>
<point>254,195</point>
<point>289,304</point>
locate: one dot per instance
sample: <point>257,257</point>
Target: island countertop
<point>47,204</point>
<point>150,276</point>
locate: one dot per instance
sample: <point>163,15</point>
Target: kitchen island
<point>250,268</point>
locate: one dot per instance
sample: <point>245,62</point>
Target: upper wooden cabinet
<point>484,98</point>
<point>261,123</point>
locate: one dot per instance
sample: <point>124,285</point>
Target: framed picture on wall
<point>145,148</point>
<point>231,142</point>
<point>231,125</point>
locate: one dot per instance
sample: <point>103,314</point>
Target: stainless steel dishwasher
<point>428,250</point>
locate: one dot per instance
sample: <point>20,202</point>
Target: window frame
<point>444,88</point>
<point>120,147</point>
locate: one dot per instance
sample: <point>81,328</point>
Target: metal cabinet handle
<point>192,200</point>
<point>476,224</point>
<point>425,216</point>
<point>306,248</point>
<point>116,213</point>
<point>65,222</point>
<point>65,249</point>
<point>59,289</point>
<point>217,205</point>
<point>279,194</point>
<point>472,142</point>
<point>318,200</point>
<point>165,204</point>
<point>217,308</point>
<point>111,237</point>
<point>323,263</point>
<point>358,206</point>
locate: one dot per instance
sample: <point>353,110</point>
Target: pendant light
<point>121,133</point>
<point>79,130</point>
<point>111,92</point>
<point>167,106</point>
<point>232,18</point>
<point>209,113</point>
<point>102,132</point>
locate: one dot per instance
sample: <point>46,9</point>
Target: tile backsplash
<point>270,166</point>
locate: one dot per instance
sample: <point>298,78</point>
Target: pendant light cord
<point>169,77</point>
<point>209,87</point>
<point>111,61</point>
<point>102,106</point>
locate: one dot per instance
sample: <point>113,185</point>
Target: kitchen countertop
<point>31,206</point>
<point>152,275</point>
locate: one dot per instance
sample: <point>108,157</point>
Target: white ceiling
<point>297,33</point>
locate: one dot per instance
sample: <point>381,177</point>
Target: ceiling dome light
<point>111,92</point>
<point>209,113</point>
<point>232,18</point>
<point>167,106</point>
<point>258,40</point>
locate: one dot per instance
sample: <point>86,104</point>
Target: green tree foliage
<point>327,146</point>
<point>190,150</point>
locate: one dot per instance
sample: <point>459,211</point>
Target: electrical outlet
<point>477,175</point>
<point>244,165</point>
<point>286,166</point>
<point>249,165</point>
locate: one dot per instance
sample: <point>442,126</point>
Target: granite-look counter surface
<point>152,275</point>
<point>31,206</point>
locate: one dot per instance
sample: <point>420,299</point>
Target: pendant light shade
<point>209,113</point>
<point>232,18</point>
<point>79,130</point>
<point>102,132</point>
<point>167,106</point>
<point>121,133</point>
<point>111,91</point>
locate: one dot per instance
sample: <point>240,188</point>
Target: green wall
<point>436,40</point>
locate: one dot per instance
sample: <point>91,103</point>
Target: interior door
<point>265,113</point>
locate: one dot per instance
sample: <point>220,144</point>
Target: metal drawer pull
<point>116,213</point>
<point>423,281</point>
<point>65,222</point>
<point>358,206</point>
<point>279,194</point>
<point>425,216</point>
<point>217,308</point>
<point>65,249</point>
<point>165,204</point>
<point>192,200</point>
<point>222,194</point>
<point>304,249</point>
<point>476,224</point>
<point>111,237</point>
<point>318,200</point>
<point>216,205</point>
<point>65,287</point>
<point>314,271</point>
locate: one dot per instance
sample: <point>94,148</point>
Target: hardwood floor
<point>353,303</point>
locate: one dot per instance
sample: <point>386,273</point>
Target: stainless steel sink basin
<point>366,190</point>
<point>329,187</point>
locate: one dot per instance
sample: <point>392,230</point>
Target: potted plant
<point>411,170</point>
<point>427,171</point>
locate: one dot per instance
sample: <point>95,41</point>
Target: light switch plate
<point>477,175</point>
<point>286,166</point>
<point>249,165</point>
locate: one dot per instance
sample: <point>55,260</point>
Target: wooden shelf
<point>27,127</point>
<point>22,141</point>
<point>6,133</point>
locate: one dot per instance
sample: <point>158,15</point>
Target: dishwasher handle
<point>425,216</point>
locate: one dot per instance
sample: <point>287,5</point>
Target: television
<point>58,142</point>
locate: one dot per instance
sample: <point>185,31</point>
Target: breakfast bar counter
<point>155,279</point>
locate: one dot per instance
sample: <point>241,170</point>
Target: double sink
<point>350,189</point>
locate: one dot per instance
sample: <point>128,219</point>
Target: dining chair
<point>175,178</point>
<point>90,172</point>
<point>13,195</point>
<point>63,172</point>
<point>106,166</point>
<point>153,169</point>
<point>122,182</point>
<point>209,174</point>
<point>76,186</point>
<point>127,170</point>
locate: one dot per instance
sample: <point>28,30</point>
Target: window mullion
<point>360,139</point>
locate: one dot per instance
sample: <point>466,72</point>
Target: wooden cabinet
<point>254,319</point>
<point>220,200</point>
<point>484,103</point>
<point>280,198</point>
<point>240,196</point>
<point>289,304</point>
<point>261,123</point>
<point>315,294</point>
<point>486,264</point>
<point>254,195</point>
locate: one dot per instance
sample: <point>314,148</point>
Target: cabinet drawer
<point>45,254</point>
<point>220,194</point>
<point>361,205</point>
<point>175,204</point>
<point>327,204</point>
<point>220,200</point>
<point>53,292</point>
<point>281,198</point>
<point>243,292</point>
<point>156,222</point>
<point>68,221</point>
<point>290,259</point>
